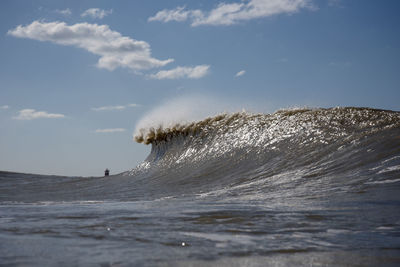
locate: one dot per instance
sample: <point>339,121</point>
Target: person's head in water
<point>106,172</point>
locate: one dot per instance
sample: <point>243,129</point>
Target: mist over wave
<point>184,110</point>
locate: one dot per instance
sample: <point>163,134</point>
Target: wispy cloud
<point>65,12</point>
<point>96,13</point>
<point>133,105</point>
<point>110,130</point>
<point>177,14</point>
<point>5,107</point>
<point>240,73</point>
<point>114,49</point>
<point>118,107</point>
<point>182,72</point>
<point>232,13</point>
<point>31,114</point>
<point>107,108</point>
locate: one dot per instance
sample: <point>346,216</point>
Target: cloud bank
<point>232,13</point>
<point>114,49</point>
<point>31,114</point>
<point>96,13</point>
<point>182,72</point>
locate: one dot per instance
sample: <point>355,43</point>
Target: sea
<point>298,187</point>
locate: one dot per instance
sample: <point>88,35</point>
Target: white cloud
<point>65,12</point>
<point>177,14</point>
<point>30,114</point>
<point>182,72</point>
<point>240,73</point>
<point>96,13</point>
<point>231,13</point>
<point>133,105</point>
<point>4,107</point>
<point>109,108</point>
<point>114,49</point>
<point>112,130</point>
<point>119,107</point>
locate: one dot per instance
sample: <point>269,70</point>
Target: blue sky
<point>76,77</point>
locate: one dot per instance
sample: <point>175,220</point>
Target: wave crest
<point>327,120</point>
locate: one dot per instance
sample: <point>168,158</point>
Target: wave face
<point>303,147</point>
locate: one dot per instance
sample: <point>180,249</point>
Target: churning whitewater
<point>234,188</point>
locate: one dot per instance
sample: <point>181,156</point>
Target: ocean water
<point>305,187</point>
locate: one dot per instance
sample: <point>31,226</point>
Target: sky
<point>78,78</point>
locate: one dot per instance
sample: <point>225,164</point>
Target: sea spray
<point>184,110</point>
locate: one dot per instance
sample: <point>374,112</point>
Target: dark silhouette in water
<point>107,172</point>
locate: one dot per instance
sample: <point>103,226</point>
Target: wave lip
<point>345,119</point>
<point>151,135</point>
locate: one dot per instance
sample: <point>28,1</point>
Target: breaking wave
<point>299,152</point>
<point>347,145</point>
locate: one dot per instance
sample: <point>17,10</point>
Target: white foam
<point>393,158</point>
<point>390,169</point>
<point>385,181</point>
